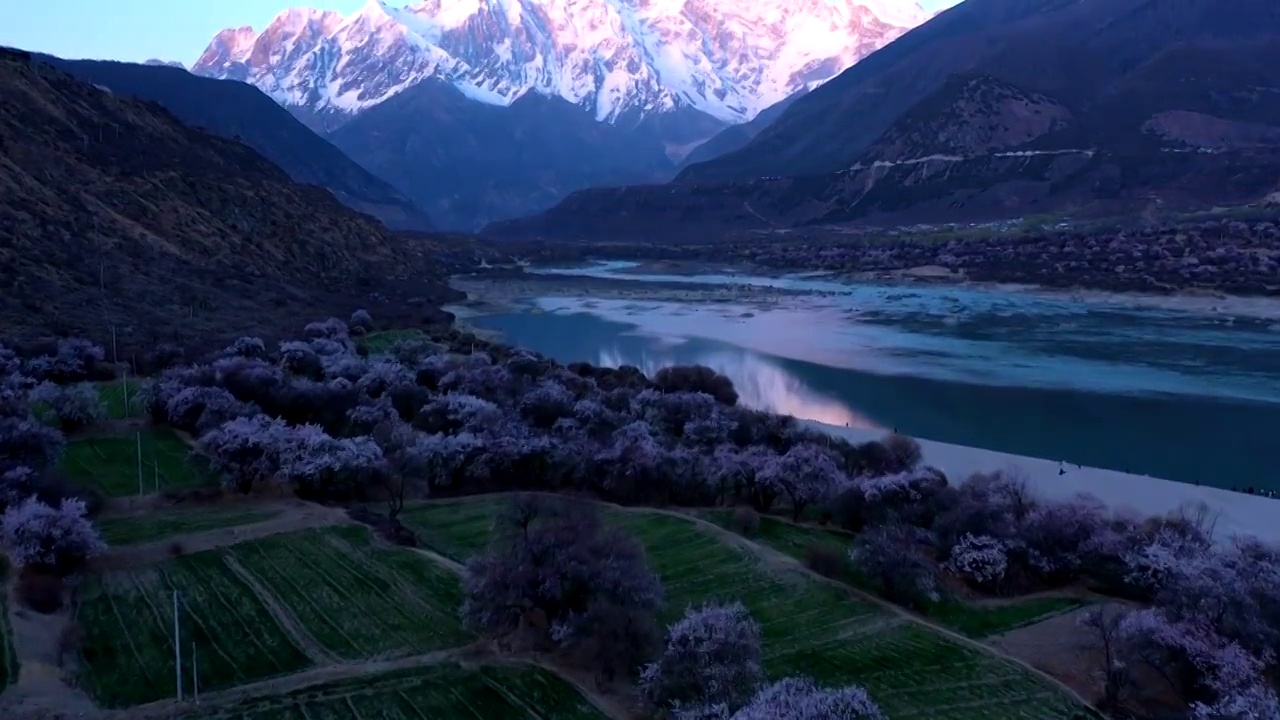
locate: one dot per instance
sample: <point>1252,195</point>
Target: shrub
<point>41,537</point>
<point>330,329</point>
<point>558,560</point>
<point>981,560</point>
<point>75,360</point>
<point>806,474</point>
<point>800,699</point>
<point>75,406</point>
<point>893,559</point>
<point>246,347</point>
<point>745,520</point>
<point>696,379</point>
<point>28,443</point>
<point>712,657</point>
<point>362,321</point>
<point>200,409</point>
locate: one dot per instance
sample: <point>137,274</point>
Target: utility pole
<point>139,436</point>
<point>177,647</point>
<point>125,381</point>
<point>195,677</point>
<point>114,357</point>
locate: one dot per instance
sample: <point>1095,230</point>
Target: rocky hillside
<point>240,111</point>
<point>1077,52</point>
<point>1162,124</point>
<point>114,213</point>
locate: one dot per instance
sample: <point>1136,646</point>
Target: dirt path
<point>283,616</point>
<point>41,690</point>
<point>303,680</point>
<point>293,518</point>
<point>481,653</point>
<point>779,561</point>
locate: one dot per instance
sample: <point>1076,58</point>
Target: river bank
<point>1165,391</point>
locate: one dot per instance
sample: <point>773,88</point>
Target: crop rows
<point>352,598</point>
<point>110,464</point>
<point>119,397</point>
<point>357,600</point>
<point>809,627</point>
<point>973,620</point>
<point>157,526</point>
<point>441,691</point>
<point>128,644</point>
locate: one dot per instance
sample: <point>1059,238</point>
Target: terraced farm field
<point>110,465</point>
<point>356,599</point>
<point>157,526</point>
<point>127,623</point>
<point>974,620</point>
<point>263,609</point>
<point>809,627</point>
<point>119,396</point>
<point>440,691</point>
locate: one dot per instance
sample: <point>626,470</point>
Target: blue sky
<point>136,30</point>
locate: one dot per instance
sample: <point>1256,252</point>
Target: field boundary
<point>776,558</point>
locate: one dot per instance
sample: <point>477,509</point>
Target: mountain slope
<point>240,111</point>
<point>737,136</point>
<point>1086,107</point>
<point>1070,49</point>
<point>470,163</point>
<point>619,58</point>
<point>115,214</point>
<point>1195,126</point>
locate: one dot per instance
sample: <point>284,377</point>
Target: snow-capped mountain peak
<point>622,58</point>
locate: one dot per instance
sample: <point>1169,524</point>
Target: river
<point>1181,390</point>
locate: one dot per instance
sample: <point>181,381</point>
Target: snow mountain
<point>624,60</point>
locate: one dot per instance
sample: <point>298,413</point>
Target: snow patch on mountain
<point>622,58</point>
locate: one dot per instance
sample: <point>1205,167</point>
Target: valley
<point>604,360</point>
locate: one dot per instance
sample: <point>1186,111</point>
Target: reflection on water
<point>1169,391</point>
<point>761,384</point>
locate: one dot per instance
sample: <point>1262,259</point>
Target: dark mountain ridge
<point>1065,108</point>
<point>116,215</point>
<point>469,163</point>
<point>240,111</point>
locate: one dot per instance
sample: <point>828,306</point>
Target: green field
<point>972,620</point>
<point>120,397</point>
<point>110,464</point>
<point>809,627</point>
<point>434,692</point>
<point>353,598</point>
<point>157,526</point>
<point>380,342</point>
<point>356,599</point>
<point>127,625</point>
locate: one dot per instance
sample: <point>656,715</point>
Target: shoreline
<point>1232,513</point>
<point>1238,512</point>
<point>1207,303</point>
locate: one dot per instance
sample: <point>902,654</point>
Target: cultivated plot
<point>356,599</point>
<point>127,622</point>
<point>972,619</point>
<point>262,609</point>
<point>158,526</point>
<point>439,691</point>
<point>809,627</point>
<point>116,467</point>
<point>120,397</point>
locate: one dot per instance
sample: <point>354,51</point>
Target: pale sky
<point>137,30</point>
